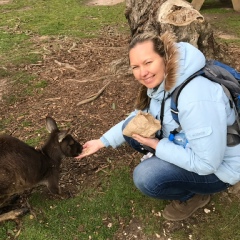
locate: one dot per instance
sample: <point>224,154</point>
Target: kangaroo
<point>23,167</point>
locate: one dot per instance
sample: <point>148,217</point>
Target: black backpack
<point>229,79</point>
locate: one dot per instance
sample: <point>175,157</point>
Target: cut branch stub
<point>178,13</point>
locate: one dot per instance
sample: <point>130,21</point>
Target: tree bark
<point>197,4</point>
<point>177,16</point>
<point>236,5</point>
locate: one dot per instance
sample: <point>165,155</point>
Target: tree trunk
<point>177,16</point>
<point>197,4</point>
<point>236,5</point>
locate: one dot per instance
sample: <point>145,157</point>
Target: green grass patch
<point>223,17</point>
<point>40,135</point>
<point>23,84</point>
<point>61,17</point>
<point>16,49</point>
<point>230,21</point>
<point>4,73</point>
<point>5,122</point>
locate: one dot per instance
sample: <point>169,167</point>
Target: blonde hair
<point>162,45</point>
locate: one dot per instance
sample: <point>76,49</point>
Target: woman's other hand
<point>150,142</point>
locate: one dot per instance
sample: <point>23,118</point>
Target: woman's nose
<point>143,71</point>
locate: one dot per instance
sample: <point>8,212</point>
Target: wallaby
<point>23,167</point>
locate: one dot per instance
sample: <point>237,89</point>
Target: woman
<point>187,176</point>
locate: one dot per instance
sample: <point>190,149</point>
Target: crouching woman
<point>186,176</point>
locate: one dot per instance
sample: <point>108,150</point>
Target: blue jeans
<point>162,180</point>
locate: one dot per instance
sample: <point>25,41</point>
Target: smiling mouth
<point>149,79</point>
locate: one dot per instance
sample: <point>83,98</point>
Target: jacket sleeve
<point>203,117</point>
<point>114,137</point>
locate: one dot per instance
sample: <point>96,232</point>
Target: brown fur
<point>171,58</point>
<point>23,167</point>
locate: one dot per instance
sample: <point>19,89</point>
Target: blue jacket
<point>204,114</point>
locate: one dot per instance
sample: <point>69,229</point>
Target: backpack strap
<point>162,113</point>
<point>175,95</point>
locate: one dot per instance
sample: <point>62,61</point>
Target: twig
<point>36,64</point>
<point>65,65</point>
<point>100,169</point>
<point>99,47</point>
<point>52,99</point>
<point>94,96</point>
<point>87,80</point>
<point>47,50</point>
<point>72,47</point>
<point>17,234</point>
<point>232,220</point>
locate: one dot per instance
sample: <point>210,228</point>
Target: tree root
<point>87,80</point>
<point>93,97</point>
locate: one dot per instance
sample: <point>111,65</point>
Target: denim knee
<point>157,178</point>
<point>146,177</point>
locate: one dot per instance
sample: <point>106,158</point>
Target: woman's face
<point>147,66</point>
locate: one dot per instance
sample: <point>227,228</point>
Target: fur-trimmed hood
<point>182,60</point>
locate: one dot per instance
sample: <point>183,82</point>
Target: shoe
<point>148,155</point>
<point>177,210</point>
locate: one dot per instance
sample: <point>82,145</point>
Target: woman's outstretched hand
<point>90,147</point>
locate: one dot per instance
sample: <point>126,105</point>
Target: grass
<point>225,18</point>
<point>92,214</point>
<point>64,17</point>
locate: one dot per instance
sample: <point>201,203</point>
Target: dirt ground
<point>75,70</point>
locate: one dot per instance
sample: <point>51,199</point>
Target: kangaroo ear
<point>51,125</point>
<point>62,135</point>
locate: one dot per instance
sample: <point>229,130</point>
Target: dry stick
<point>94,96</point>
<point>65,65</point>
<point>231,221</point>
<point>52,99</point>
<point>87,80</point>
<point>12,215</point>
<point>72,47</point>
<point>17,234</point>
<point>101,169</point>
<point>98,47</point>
